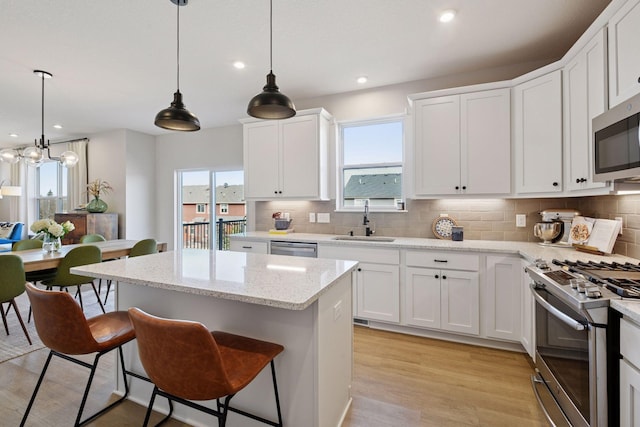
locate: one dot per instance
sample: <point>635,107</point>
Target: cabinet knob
<point>464,187</point>
<point>444,277</point>
<point>457,187</point>
<point>437,277</point>
<point>280,192</point>
<point>555,184</point>
<point>638,79</point>
<point>583,179</point>
<point>275,192</point>
<point>359,269</point>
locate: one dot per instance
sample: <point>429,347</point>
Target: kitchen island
<point>303,304</point>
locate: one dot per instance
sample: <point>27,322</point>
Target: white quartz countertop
<point>292,283</point>
<point>629,308</point>
<point>528,250</point>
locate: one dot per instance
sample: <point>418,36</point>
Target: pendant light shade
<point>177,117</point>
<point>271,104</point>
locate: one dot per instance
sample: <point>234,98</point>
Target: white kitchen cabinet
<point>585,96</point>
<point>528,319</point>
<point>287,159</point>
<point>624,61</point>
<point>456,137</point>
<point>629,373</point>
<point>252,246</point>
<point>501,298</point>
<point>538,134</point>
<point>376,291</point>
<point>442,298</point>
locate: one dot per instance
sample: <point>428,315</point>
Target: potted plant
<point>96,188</point>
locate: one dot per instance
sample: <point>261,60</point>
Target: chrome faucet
<point>367,230</point>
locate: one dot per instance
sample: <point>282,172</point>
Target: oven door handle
<point>557,313</point>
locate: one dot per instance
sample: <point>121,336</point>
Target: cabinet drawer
<point>378,256</point>
<point>630,342</point>
<point>452,260</point>
<point>248,246</point>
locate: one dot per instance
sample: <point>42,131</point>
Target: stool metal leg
<point>35,391</point>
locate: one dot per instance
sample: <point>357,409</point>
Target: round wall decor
<point>442,227</point>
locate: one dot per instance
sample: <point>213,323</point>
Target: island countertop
<point>292,283</point>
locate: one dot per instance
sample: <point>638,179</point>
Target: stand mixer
<point>555,226</point>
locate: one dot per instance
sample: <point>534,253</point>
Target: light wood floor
<point>399,380</point>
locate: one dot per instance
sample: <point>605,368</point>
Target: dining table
<point>38,259</point>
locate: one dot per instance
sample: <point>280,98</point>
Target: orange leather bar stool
<point>186,362</point>
<point>63,328</point>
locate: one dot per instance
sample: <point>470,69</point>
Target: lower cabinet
<point>439,295</point>
<point>629,373</point>
<point>501,311</point>
<point>376,290</point>
<point>442,299</point>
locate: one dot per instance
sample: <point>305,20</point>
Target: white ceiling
<point>113,61</point>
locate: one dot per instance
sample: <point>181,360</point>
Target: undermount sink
<point>365,238</point>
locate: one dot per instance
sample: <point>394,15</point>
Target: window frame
<point>340,167</point>
<point>224,209</point>
<point>61,196</point>
<point>201,208</point>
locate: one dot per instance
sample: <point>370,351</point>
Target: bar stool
<point>187,362</point>
<point>63,328</point>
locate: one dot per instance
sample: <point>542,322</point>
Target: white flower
<point>41,225</point>
<point>52,228</point>
<point>55,230</point>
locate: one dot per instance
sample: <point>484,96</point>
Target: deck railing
<point>196,234</point>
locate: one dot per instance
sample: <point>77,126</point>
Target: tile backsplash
<point>482,219</point>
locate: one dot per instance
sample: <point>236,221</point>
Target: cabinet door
<point>584,98</point>
<point>624,61</point>
<point>378,292</point>
<point>261,160</point>
<point>501,298</point>
<point>528,314</point>
<point>460,302</point>
<point>538,134</point>
<point>629,395</point>
<point>300,162</point>
<point>485,139</point>
<point>422,297</point>
<point>437,145</point>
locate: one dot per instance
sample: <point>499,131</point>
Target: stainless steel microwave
<point>616,139</point>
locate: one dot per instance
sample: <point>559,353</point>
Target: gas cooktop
<point>623,279</point>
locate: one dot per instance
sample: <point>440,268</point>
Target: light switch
<point>324,217</point>
<point>521,220</point>
<point>312,217</point>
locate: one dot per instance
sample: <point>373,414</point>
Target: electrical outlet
<point>324,217</point>
<point>337,310</point>
<point>521,220</point>
<point>312,217</point>
<point>619,219</point>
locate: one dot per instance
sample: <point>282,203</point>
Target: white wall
<point>217,148</point>
<point>140,215</point>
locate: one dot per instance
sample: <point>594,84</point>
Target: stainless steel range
<point>574,355</point>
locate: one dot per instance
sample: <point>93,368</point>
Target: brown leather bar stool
<point>187,362</point>
<point>63,328</point>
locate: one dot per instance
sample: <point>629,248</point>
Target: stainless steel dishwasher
<point>305,249</point>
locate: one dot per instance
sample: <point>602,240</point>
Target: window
<point>371,164</point>
<point>224,208</point>
<point>201,208</point>
<point>51,180</point>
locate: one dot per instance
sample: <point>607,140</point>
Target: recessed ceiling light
<point>57,126</point>
<point>362,79</point>
<point>13,135</point>
<point>239,65</point>
<point>447,15</point>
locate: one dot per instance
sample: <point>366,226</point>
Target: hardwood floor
<point>399,380</point>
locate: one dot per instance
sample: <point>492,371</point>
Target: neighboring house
<point>386,188</point>
<point>229,200</point>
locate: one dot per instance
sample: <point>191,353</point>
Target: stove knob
<point>593,292</point>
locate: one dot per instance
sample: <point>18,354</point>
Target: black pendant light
<point>271,104</point>
<point>177,117</point>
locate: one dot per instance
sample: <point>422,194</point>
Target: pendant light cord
<point>42,113</point>
<point>271,36</point>
<point>178,47</point>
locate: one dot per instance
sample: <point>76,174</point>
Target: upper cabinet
<point>456,137</point>
<point>538,134</point>
<point>287,159</point>
<point>624,60</point>
<point>585,96</point>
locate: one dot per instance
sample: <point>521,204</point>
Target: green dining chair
<point>92,238</point>
<point>26,244</point>
<point>142,247</point>
<point>81,255</point>
<point>12,284</point>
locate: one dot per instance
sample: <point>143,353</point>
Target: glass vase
<point>51,244</point>
<point>97,205</point>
